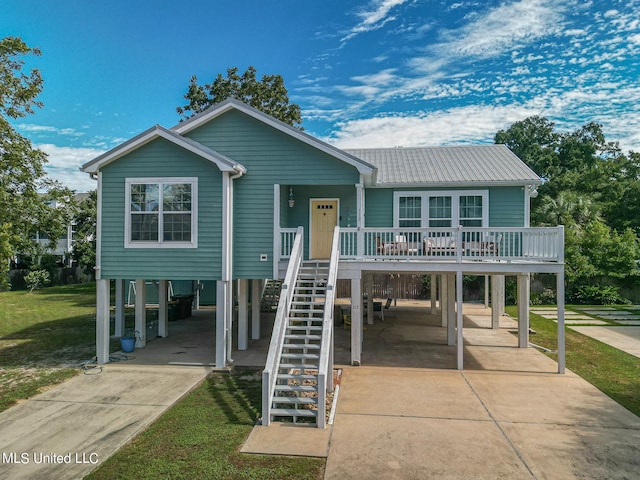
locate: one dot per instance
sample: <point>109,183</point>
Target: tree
<point>29,201</point>
<point>592,188</point>
<point>84,245</point>
<point>268,95</point>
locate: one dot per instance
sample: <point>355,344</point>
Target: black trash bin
<point>183,307</point>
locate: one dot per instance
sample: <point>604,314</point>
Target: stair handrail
<point>270,372</point>
<point>325,362</point>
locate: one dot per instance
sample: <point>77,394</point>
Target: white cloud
<point>65,162</point>
<point>47,129</point>
<point>503,29</point>
<point>374,17</point>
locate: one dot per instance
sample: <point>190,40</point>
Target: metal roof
<point>451,166</point>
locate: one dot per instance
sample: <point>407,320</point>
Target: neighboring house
<point>224,195</point>
<point>64,245</point>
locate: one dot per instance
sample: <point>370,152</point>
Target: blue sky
<point>370,73</point>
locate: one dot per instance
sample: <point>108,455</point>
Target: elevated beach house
<point>234,196</point>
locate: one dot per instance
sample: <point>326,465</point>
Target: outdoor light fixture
<point>292,202</point>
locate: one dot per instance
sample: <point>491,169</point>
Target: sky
<point>368,73</point>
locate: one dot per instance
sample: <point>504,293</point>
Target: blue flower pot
<point>128,344</point>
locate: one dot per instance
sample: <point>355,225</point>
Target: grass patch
<point>44,336</point>
<point>612,371</point>
<point>200,437</point>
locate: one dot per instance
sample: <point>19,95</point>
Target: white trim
<point>455,204</point>
<point>99,227</point>
<point>527,206</point>
<point>160,243</point>
<point>226,227</point>
<point>275,256</point>
<point>311,200</point>
<point>222,162</point>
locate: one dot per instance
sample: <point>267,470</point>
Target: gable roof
<point>450,166</point>
<point>233,104</point>
<point>225,164</point>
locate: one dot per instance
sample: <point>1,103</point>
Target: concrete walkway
<point>81,422</point>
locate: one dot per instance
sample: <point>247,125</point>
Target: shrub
<point>36,279</point>
<point>597,295</point>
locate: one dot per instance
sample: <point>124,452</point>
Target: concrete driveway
<point>69,430</point>
<point>408,414</point>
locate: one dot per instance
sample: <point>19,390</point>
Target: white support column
<point>229,314</point>
<point>360,218</point>
<point>243,314</point>
<point>141,313</point>
<point>451,308</point>
<point>495,309</point>
<point>560,301</point>
<point>444,302</point>
<point>356,321</point>
<point>459,321</point>
<point>524,284</point>
<point>486,291</point>
<point>221,340</point>
<point>369,281</point>
<point>434,293</point>
<point>501,294</point>
<point>102,320</point>
<point>256,288</point>
<point>119,320</point>
<point>163,308</point>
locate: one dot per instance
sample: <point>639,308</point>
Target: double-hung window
<point>441,209</point>
<point>410,212</point>
<point>161,212</point>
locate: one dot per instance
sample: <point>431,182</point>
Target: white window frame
<point>455,205</point>
<point>160,243</point>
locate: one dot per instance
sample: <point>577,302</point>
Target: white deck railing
<point>325,365</point>
<point>532,244</point>
<point>270,372</point>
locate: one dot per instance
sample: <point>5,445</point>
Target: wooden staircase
<point>270,295</point>
<point>295,398</point>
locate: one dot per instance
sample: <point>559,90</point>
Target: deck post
<point>356,321</point>
<point>451,308</point>
<point>163,308</point>
<point>243,315</point>
<point>256,285</point>
<point>495,302</point>
<point>524,283</point>
<point>102,320</point>
<point>459,321</point>
<point>560,302</point>
<point>434,293</point>
<point>444,302</point>
<point>369,289</point>
<point>221,340</point>
<point>141,313</point>
<point>119,320</point>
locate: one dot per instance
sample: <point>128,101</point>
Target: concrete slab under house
<point>240,208</point>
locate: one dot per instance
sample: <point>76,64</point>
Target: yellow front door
<point>324,218</point>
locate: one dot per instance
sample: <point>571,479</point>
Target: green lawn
<point>615,373</point>
<point>44,336</point>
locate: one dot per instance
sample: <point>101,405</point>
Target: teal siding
<point>378,207</point>
<point>161,158</point>
<point>271,157</point>
<point>506,207</point>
